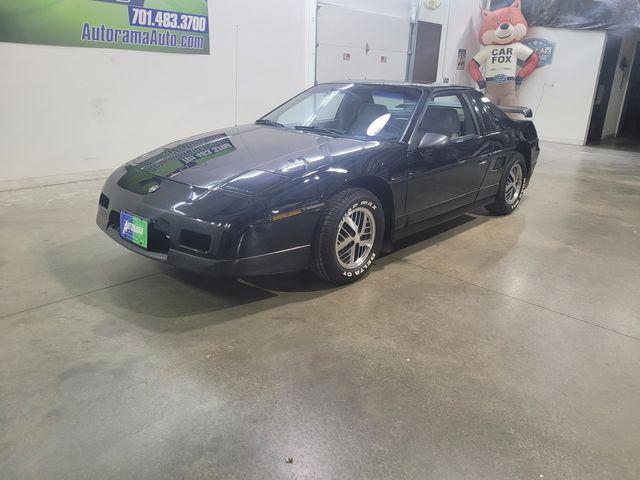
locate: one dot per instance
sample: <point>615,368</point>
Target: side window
<point>399,105</point>
<point>498,115</point>
<point>448,115</point>
<point>487,121</point>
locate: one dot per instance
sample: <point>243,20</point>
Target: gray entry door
<point>427,52</point>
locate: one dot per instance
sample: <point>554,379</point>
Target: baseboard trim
<point>11,185</point>
<point>566,141</point>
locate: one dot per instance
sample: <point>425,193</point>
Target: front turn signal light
<point>283,215</point>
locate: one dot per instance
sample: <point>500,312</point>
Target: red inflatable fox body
<point>500,34</point>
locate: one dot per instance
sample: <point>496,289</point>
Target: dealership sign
<point>181,26</point>
<point>543,47</point>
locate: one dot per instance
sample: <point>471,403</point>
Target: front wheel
<point>348,237</point>
<point>512,186</point>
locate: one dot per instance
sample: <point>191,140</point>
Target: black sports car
<point>325,181</point>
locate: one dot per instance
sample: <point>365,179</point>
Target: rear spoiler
<point>525,111</point>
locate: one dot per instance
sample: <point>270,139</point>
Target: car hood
<point>251,151</point>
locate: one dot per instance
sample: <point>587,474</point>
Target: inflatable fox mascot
<point>500,34</point>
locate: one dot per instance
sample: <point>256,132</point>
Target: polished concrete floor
<point>487,348</point>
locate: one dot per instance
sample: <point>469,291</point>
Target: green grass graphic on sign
<point>172,26</point>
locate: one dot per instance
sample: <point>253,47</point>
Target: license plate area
<point>134,229</point>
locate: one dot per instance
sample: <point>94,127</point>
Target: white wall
<point>561,94</point>
<point>394,8</point>
<point>620,84</point>
<point>67,110</point>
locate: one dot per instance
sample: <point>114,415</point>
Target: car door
<point>445,177</point>
<point>498,144</point>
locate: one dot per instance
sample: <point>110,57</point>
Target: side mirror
<point>433,140</point>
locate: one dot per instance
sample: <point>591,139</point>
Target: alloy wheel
<point>514,184</point>
<point>355,239</point>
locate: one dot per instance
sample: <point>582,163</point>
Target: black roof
<point>430,86</point>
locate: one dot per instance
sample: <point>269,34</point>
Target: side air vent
<point>195,241</point>
<point>500,161</point>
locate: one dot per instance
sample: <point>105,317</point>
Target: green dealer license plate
<point>134,229</point>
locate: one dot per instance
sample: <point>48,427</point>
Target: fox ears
<point>517,4</point>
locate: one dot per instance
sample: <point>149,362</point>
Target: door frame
<point>599,111</point>
<point>635,63</point>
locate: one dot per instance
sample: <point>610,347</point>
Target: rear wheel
<point>348,237</point>
<point>512,186</point>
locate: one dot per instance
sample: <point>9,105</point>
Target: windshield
<point>361,111</point>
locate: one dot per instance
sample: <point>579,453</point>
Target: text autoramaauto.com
<point>104,34</point>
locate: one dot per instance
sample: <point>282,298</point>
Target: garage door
<point>360,45</point>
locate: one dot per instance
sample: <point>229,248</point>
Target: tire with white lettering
<point>512,185</point>
<point>348,236</point>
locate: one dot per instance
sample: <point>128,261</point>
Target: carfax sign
<point>174,26</point>
<point>543,47</point>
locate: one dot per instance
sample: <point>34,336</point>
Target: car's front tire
<point>512,185</point>
<point>348,237</point>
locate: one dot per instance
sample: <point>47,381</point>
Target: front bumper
<point>235,245</point>
<point>283,261</point>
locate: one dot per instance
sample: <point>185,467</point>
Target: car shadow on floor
<point>178,301</point>
<point>172,300</point>
<point>165,299</point>
<point>440,233</point>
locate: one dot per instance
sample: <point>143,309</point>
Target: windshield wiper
<point>321,130</point>
<point>264,121</point>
